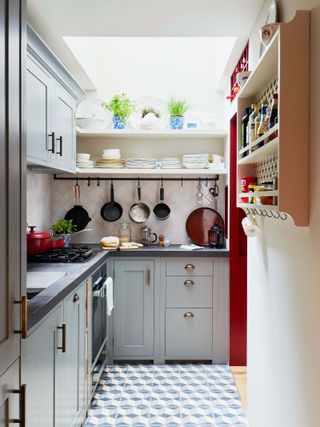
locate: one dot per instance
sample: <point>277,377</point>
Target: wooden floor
<point>240,377</point>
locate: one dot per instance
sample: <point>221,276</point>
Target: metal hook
<point>276,217</point>
<point>285,216</point>
<point>161,181</point>
<point>98,182</point>
<point>89,181</point>
<point>138,181</point>
<point>264,213</point>
<point>269,214</point>
<point>207,179</point>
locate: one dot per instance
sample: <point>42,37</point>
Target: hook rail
<point>265,213</point>
<point>90,179</point>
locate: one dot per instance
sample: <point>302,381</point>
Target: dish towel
<point>109,287</point>
<point>191,247</point>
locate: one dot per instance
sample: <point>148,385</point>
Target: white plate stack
<point>196,161</point>
<point>141,163</point>
<point>171,163</point>
<point>111,159</point>
<point>83,161</point>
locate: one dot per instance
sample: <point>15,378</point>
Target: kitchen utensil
<point>199,223</point>
<point>111,211</point>
<point>199,194</point>
<point>216,237</point>
<point>162,210</point>
<point>38,242</point>
<point>139,211</point>
<point>147,237</point>
<point>215,193</point>
<point>79,216</point>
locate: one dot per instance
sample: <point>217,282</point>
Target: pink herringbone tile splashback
<point>181,199</point>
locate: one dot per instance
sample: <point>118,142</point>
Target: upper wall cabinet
<point>51,95</point>
<point>279,157</point>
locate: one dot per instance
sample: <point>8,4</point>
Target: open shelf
<point>260,153</point>
<point>284,157</point>
<point>139,133</point>
<point>156,172</point>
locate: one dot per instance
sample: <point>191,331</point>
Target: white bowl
<point>90,123</point>
<point>83,156</point>
<point>111,153</point>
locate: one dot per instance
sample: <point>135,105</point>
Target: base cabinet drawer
<point>189,333</point>
<point>185,292</point>
<point>189,267</point>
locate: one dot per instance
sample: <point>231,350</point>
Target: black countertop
<point>46,300</point>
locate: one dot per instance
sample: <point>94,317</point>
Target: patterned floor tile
<point>188,395</point>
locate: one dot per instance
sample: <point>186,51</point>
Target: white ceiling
<point>138,18</point>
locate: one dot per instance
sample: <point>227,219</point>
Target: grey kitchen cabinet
<point>51,95</point>
<point>64,111</point>
<point>41,364</point>
<point>74,378</point>
<point>134,282</point>
<point>40,143</point>
<point>54,365</point>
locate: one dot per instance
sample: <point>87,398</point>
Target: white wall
<point>39,200</point>
<point>187,67</point>
<point>284,292</point>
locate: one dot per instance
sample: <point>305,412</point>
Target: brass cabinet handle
<point>148,278</point>
<point>189,283</point>
<point>76,298</point>
<point>22,406</point>
<point>189,267</point>
<point>61,142</point>
<point>24,313</point>
<point>188,315</point>
<point>53,138</point>
<point>63,347</point>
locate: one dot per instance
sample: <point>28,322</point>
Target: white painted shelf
<point>137,133</point>
<point>260,193</point>
<point>157,172</point>
<point>261,153</point>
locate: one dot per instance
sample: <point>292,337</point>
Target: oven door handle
<point>101,292</point>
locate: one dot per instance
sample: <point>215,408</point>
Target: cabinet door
<point>11,159</point>
<point>9,401</point>
<point>74,368</point>
<point>64,107</point>
<point>40,143</point>
<point>39,370</point>
<point>133,313</point>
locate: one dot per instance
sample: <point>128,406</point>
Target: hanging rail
<point>111,178</point>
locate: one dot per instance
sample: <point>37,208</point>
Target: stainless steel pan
<point>139,211</point>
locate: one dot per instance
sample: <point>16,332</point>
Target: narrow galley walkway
<point>186,395</point>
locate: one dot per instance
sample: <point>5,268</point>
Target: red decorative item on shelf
<point>242,65</point>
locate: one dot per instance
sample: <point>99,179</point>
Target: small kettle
<point>147,236</point>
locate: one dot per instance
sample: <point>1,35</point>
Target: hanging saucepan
<point>111,211</point>
<point>162,210</point>
<point>139,211</point>
<point>78,214</point>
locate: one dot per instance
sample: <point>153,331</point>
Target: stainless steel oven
<point>99,325</point>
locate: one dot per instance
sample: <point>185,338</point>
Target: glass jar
<point>125,231</point>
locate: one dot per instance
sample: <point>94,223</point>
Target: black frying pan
<point>111,211</point>
<point>78,214</point>
<point>161,210</point>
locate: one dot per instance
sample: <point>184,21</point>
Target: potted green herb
<point>176,109</point>
<point>63,229</point>
<point>121,107</point>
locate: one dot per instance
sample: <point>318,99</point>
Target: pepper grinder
<point>161,240</point>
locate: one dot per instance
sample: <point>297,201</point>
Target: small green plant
<point>63,226</point>
<point>177,107</point>
<point>120,105</point>
<point>148,110</point>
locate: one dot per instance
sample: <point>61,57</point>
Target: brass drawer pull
<point>24,303</point>
<point>63,329</point>
<point>188,315</point>
<point>22,406</point>
<point>189,267</point>
<point>189,283</point>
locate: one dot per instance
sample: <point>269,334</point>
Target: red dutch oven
<point>38,242</point>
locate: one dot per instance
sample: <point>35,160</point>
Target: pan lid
<point>33,234</point>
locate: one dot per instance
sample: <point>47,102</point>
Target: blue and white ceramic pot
<point>176,122</point>
<point>118,122</point>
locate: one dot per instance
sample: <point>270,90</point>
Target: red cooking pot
<point>38,242</point>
